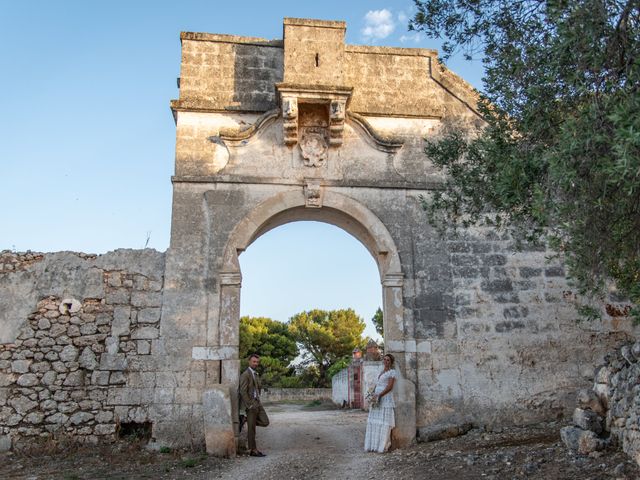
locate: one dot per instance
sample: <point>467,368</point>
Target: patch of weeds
<point>165,450</point>
<point>314,403</point>
<point>71,476</point>
<point>189,462</point>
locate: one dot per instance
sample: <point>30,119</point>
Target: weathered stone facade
<point>308,128</point>
<point>271,132</point>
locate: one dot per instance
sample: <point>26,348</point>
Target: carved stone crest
<point>313,193</point>
<point>314,146</point>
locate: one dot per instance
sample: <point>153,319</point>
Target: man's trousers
<point>255,416</point>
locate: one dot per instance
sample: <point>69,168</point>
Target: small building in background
<point>349,386</point>
<point>373,352</point>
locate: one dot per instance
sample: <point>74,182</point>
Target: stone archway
<point>309,128</point>
<point>353,217</point>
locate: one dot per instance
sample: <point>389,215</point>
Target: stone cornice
<point>312,22</point>
<point>320,91</point>
<point>397,51</point>
<point>221,38</point>
<point>247,179</point>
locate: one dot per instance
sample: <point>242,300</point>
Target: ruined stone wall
<point>617,383</point>
<point>609,412</point>
<point>508,344</point>
<point>80,361</point>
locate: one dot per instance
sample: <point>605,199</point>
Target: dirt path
<point>320,444</point>
<point>311,444</point>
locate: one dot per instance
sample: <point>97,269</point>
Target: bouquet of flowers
<point>371,397</point>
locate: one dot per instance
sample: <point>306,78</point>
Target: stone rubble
<point>608,414</point>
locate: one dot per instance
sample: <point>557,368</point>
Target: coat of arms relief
<point>314,146</point>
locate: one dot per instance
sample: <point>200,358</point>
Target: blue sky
<point>87,138</point>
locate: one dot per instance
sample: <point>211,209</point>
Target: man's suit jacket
<point>248,385</point>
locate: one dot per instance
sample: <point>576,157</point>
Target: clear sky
<point>87,138</point>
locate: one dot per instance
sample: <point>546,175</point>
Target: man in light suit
<point>249,391</point>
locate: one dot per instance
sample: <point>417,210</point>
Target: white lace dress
<point>381,417</point>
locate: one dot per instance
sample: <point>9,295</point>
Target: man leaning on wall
<point>249,393</point>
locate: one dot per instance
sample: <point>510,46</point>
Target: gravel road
<point>321,444</point>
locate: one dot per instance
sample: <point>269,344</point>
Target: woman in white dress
<point>382,410</point>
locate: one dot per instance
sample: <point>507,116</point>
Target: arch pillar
<point>229,337</point>
<point>396,344</point>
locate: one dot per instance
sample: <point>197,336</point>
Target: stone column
<point>229,325</point>
<point>395,343</point>
<point>393,309</point>
<point>220,402</point>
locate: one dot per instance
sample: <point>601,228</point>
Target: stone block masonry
<point>79,366</point>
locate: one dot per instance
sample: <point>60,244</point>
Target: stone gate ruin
<point>271,132</point>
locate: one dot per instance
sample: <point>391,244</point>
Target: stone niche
<point>313,119</point>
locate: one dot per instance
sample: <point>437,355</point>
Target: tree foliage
<point>560,153</point>
<point>378,321</point>
<point>338,366</point>
<point>327,337</point>
<point>275,344</point>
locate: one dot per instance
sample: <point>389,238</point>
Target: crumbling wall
<point>79,363</point>
<point>609,412</point>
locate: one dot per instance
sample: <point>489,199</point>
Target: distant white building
<point>349,386</point>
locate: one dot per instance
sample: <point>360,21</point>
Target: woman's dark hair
<point>391,358</point>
